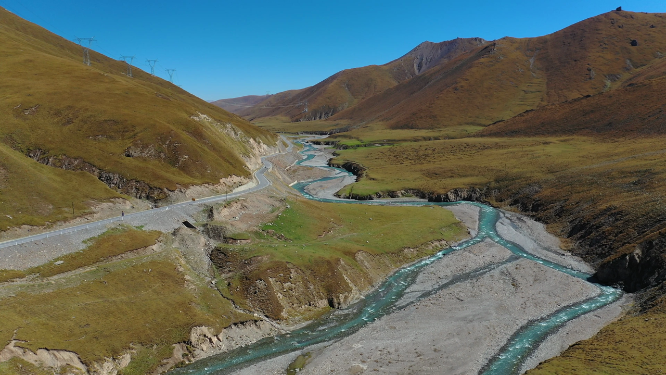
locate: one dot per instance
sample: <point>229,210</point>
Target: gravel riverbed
<point>463,308</point>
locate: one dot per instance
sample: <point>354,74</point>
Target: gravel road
<point>26,252</point>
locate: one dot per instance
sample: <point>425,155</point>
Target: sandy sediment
<point>468,215</point>
<point>533,237</point>
<point>326,189</point>
<point>463,308</point>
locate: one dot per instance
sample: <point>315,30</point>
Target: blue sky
<point>224,49</point>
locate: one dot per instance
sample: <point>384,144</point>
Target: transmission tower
<point>86,49</point>
<point>152,66</point>
<point>170,73</point>
<point>129,64</point>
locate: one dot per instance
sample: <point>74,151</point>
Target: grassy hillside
<point>637,110</point>
<point>509,76</point>
<point>313,248</point>
<point>236,105</point>
<point>135,289</point>
<point>106,304</point>
<point>349,87</point>
<point>32,193</point>
<point>141,135</point>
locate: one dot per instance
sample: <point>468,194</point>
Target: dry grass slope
<point>309,245</point>
<point>108,305</point>
<point>33,194</point>
<point>349,87</point>
<point>631,345</point>
<point>62,112</point>
<point>509,76</point>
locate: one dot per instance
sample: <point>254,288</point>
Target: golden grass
<point>146,359</point>
<point>148,302</point>
<point>439,166</point>
<point>283,124</point>
<point>314,230</point>
<point>112,243</point>
<point>142,301</point>
<point>377,133</point>
<point>6,275</point>
<point>52,102</point>
<point>35,194</point>
<point>17,366</point>
<point>108,245</point>
<point>631,345</point>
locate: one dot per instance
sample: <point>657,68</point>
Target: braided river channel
<point>384,300</point>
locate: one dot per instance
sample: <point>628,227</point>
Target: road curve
<point>36,249</point>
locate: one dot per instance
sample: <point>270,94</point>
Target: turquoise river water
<point>341,323</point>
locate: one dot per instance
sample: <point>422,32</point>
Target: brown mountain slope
<point>498,81</point>
<point>347,88</point>
<point>141,135</point>
<point>639,109</point>
<point>236,105</point>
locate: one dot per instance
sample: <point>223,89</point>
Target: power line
<point>170,73</point>
<point>152,66</point>
<point>86,49</point>
<point>129,64</point>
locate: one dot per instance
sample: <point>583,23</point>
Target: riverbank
<point>484,293</point>
<point>461,310</point>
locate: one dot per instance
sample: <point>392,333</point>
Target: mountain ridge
<point>424,91</point>
<point>348,87</point>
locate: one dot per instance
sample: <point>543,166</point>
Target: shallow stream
<point>341,323</point>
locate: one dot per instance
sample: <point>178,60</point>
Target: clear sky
<point>224,49</point>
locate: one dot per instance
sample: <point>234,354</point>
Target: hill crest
<point>141,136</point>
<point>347,88</point>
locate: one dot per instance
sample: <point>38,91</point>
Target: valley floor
<point>456,316</point>
<point>462,309</point>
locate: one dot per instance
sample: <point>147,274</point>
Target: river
<point>382,301</point>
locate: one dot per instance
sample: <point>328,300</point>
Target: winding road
<point>37,249</point>
<point>507,358</point>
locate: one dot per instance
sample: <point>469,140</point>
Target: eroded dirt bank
<point>474,298</point>
<point>285,295</point>
<point>462,309</point>
<point>623,237</point>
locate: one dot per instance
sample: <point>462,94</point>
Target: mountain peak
<point>429,54</point>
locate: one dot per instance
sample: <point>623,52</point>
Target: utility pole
<point>129,64</point>
<point>170,72</point>
<point>152,66</point>
<point>86,49</point>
